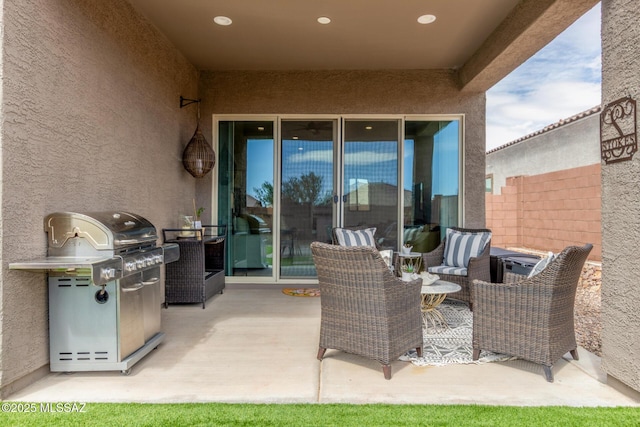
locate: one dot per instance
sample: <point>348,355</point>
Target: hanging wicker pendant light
<point>198,157</point>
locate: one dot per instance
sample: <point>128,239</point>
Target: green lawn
<point>216,414</point>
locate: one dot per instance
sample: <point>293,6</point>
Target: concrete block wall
<point>503,213</point>
<point>548,211</point>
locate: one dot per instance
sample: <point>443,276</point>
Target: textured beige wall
<point>355,92</point>
<point>90,121</point>
<point>621,201</point>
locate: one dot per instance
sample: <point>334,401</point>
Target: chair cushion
<point>356,237</point>
<point>410,234</point>
<point>443,269</point>
<point>387,257</point>
<point>541,265</point>
<point>462,246</point>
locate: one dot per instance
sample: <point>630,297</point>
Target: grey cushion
<point>443,269</point>
<point>356,237</point>
<point>410,234</point>
<point>462,246</point>
<point>541,265</point>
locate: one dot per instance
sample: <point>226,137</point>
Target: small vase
<point>406,250</point>
<point>407,277</point>
<point>186,223</point>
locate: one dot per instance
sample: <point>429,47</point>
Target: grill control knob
<point>130,266</point>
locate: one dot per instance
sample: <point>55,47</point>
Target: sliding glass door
<point>306,192</point>
<point>285,182</point>
<point>370,185</point>
<point>431,181</point>
<point>245,195</point>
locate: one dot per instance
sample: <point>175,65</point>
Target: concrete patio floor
<point>259,346</point>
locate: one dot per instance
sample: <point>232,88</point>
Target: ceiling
<point>362,35</point>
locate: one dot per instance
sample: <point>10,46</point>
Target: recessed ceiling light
<point>324,20</point>
<point>222,20</point>
<point>260,127</point>
<point>368,127</point>
<point>294,137</point>
<point>426,19</point>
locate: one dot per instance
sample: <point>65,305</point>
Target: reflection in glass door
<point>245,195</point>
<point>283,184</point>
<point>431,181</point>
<point>306,192</point>
<point>370,184</point>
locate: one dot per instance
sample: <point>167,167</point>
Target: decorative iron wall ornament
<point>618,138</point>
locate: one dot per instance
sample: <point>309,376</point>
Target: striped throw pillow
<point>542,264</point>
<point>462,246</point>
<point>356,237</point>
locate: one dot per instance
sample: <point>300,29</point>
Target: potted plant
<point>197,224</point>
<point>406,249</point>
<point>408,271</point>
<point>199,212</point>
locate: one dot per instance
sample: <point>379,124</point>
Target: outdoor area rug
<point>444,346</point>
<point>301,292</point>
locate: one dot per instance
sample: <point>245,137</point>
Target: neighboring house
<point>544,190</point>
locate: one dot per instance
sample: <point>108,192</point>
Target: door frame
<point>338,212</point>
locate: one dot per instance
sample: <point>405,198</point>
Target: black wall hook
<point>185,101</point>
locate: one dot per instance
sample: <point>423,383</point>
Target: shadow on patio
<point>258,345</point>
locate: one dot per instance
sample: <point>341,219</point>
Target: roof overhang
<point>483,40</point>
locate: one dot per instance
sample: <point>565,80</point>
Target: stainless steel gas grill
<point>104,289</point>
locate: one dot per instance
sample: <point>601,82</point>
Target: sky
<point>560,81</point>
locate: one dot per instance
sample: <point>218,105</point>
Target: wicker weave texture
<point>479,267</point>
<point>531,318</point>
<point>366,310</point>
<point>199,272</point>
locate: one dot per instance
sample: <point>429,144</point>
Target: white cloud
<point>561,80</point>
<point>359,158</point>
<point>325,156</point>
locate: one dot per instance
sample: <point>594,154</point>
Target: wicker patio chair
<point>479,267</point>
<point>366,310</point>
<point>532,318</point>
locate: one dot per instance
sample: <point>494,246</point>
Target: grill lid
<point>103,230</point>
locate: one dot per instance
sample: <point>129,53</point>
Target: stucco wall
<point>621,201</point>
<point>90,121</point>
<point>355,92</point>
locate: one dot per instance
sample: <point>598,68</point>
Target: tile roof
<point>582,115</point>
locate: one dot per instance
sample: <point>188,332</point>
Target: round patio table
<point>432,296</point>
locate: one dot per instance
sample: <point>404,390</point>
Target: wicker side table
<point>199,272</point>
